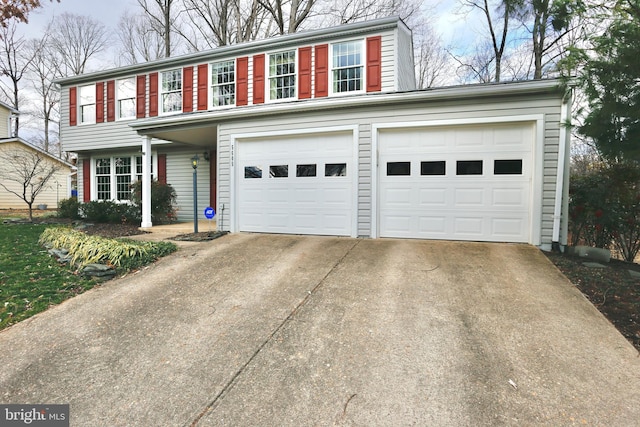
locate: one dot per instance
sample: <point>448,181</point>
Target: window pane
<point>282,78</point>
<point>306,170</point>
<point>347,66</point>
<point>279,171</point>
<point>335,169</point>
<point>252,172</point>
<point>398,168</point>
<point>469,167</point>
<point>126,97</point>
<point>507,167</point>
<point>223,83</point>
<point>433,168</point>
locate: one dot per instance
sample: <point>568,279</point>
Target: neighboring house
<point>57,188</point>
<point>323,132</point>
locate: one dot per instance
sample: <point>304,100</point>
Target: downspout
<point>562,181</point>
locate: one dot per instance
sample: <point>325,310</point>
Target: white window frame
<point>113,184</point>
<point>122,95</point>
<point>88,99</point>
<point>213,85</point>
<point>162,92</point>
<point>269,77</point>
<point>362,66</point>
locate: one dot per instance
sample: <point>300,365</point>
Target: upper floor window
<point>223,83</point>
<point>126,96</point>
<point>88,104</point>
<point>347,66</point>
<point>171,91</point>
<point>282,75</point>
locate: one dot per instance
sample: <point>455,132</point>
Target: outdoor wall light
<point>194,161</point>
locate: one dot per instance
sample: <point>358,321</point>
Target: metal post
<point>195,200</point>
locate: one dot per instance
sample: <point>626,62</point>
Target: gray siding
<point>180,176</point>
<point>388,61</point>
<point>364,118</point>
<point>406,65</point>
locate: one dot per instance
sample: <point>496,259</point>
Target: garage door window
<point>433,168</point>
<point>252,172</point>
<point>398,168</point>
<point>279,171</point>
<point>335,169</point>
<point>507,167</point>
<point>305,170</point>
<point>469,167</point>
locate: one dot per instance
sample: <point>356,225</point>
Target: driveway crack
<point>229,385</point>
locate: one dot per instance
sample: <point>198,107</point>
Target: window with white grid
<point>126,96</point>
<point>223,83</point>
<point>282,75</point>
<point>103,179</point>
<point>88,104</point>
<point>171,91</point>
<point>123,178</point>
<point>347,66</point>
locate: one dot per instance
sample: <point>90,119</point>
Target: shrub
<point>69,208</point>
<point>604,208</point>
<point>110,212</point>
<point>125,254</point>
<point>163,201</point>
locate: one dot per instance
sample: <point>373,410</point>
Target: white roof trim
<point>364,100</point>
<point>40,150</point>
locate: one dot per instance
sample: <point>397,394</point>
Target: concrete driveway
<point>289,330</point>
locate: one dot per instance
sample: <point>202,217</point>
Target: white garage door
<point>456,182</point>
<point>297,185</point>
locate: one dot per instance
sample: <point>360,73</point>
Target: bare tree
<point>44,68</point>
<point>139,41</point>
<point>478,67</point>
<point>14,62</point>
<point>432,60</point>
<point>223,22</point>
<point>76,39</point>
<point>26,173</point>
<point>162,19</point>
<point>346,11</point>
<point>288,15</point>
<point>498,26</point>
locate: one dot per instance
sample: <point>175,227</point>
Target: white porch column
<point>146,182</point>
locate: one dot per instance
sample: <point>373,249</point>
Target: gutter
<point>367,100</point>
<point>562,181</point>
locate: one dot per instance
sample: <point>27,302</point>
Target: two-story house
<point>324,132</point>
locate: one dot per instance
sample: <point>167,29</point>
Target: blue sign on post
<point>209,212</point>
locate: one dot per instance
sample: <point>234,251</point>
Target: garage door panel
<point>446,204</point>
<point>296,204</point>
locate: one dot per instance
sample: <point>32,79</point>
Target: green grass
<point>31,280</point>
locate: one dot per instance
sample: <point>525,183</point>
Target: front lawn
<point>30,279</point>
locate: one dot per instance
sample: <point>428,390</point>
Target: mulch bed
<point>611,289</point>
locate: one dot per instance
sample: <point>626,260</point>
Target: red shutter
<point>203,87</point>
<point>258,79</point>
<point>141,97</point>
<point>73,106</point>
<point>242,89</point>
<point>111,100</point>
<point>99,102</point>
<point>374,64</point>
<point>153,94</point>
<point>304,73</point>
<point>322,70</point>
<point>187,90</point>
<point>86,180</point>
<point>162,168</point>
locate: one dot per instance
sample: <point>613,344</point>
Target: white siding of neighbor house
<point>57,188</point>
<point>546,105</point>
<point>4,122</point>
